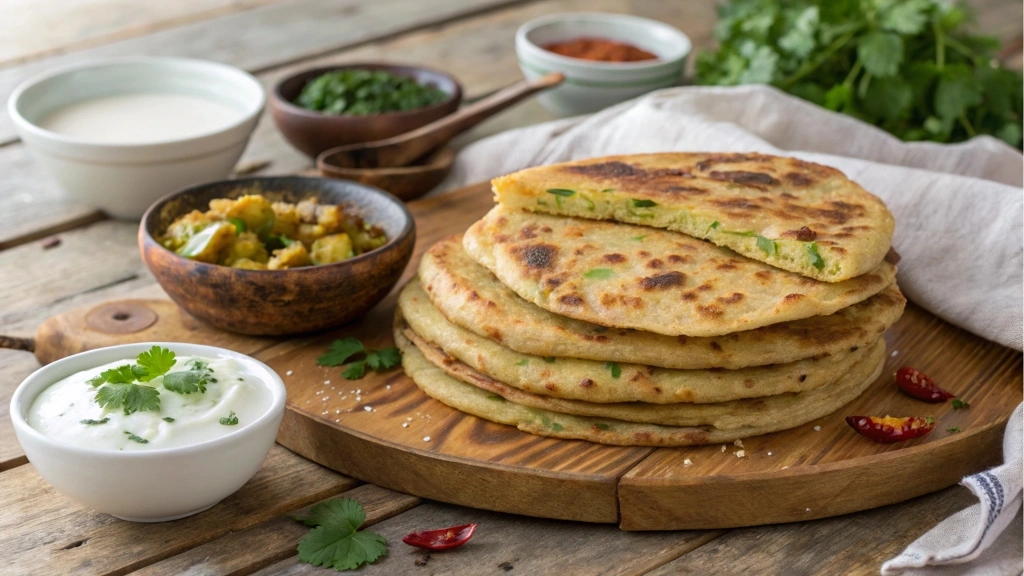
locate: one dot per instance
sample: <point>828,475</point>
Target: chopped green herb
<point>602,426</point>
<point>615,369</point>
<point>135,438</point>
<point>812,252</point>
<point>952,430</point>
<point>590,203</point>
<point>600,273</point>
<point>768,246</point>
<point>556,427</point>
<point>714,226</point>
<point>561,192</point>
<point>197,364</point>
<point>230,420</point>
<point>523,362</point>
<point>91,422</point>
<point>541,203</point>
<point>549,360</point>
<point>639,238</point>
<point>495,397</point>
<point>959,404</point>
<point>336,541</point>
<point>600,329</point>
<point>643,203</point>
<point>358,92</point>
<point>239,225</point>
<point>168,419</point>
<point>607,190</point>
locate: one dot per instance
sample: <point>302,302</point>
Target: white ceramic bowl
<point>590,85</point>
<point>123,180</point>
<point>153,485</point>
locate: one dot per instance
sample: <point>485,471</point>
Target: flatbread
<point>781,410</point>
<point>490,406</point>
<point>470,296</point>
<point>625,276</point>
<point>781,211</point>
<point>595,381</point>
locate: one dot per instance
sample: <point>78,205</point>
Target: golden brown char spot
<point>643,253</point>
<point>593,337</point>
<point>763,275</point>
<point>606,170</point>
<point>715,346</point>
<point>728,158</point>
<point>586,383</point>
<point>536,256</point>
<point>545,229</point>
<point>682,340</point>
<point>730,299</point>
<point>792,297</point>
<point>739,203</point>
<point>493,333</point>
<point>501,221</point>
<point>550,386</point>
<point>663,281</point>
<point>690,296</point>
<point>657,390</point>
<point>553,282</point>
<point>655,264</point>
<point>677,259</point>
<point>744,178</point>
<point>728,265</point>
<point>837,249</point>
<point>545,374</point>
<point>610,300</point>
<point>892,257</point>
<point>613,258</point>
<point>473,295</point>
<point>528,232</point>
<point>798,179</point>
<point>749,383</point>
<point>710,311</point>
<point>571,300</point>
<point>501,238</point>
<point>802,377</point>
<point>573,232</point>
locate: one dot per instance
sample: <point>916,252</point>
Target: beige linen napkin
<point>959,208</point>
<point>959,215</point>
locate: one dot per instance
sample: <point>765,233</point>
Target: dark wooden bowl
<point>405,182</point>
<point>275,302</point>
<point>313,132</point>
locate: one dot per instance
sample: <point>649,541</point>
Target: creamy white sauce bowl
<point>124,179</point>
<point>152,485</point>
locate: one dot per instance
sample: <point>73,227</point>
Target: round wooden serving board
<point>382,429</point>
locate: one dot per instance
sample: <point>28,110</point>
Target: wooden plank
<point>824,468</point>
<point>27,33</point>
<point>16,366</point>
<point>248,550</point>
<point>852,544</point>
<point>46,533</point>
<point>505,544</point>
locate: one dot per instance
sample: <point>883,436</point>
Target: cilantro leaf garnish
<point>135,438</point>
<point>599,273</point>
<point>639,238</point>
<point>767,245</point>
<point>953,430</point>
<point>812,253</point>
<point>959,404</point>
<point>168,419</point>
<point>616,370</point>
<point>155,362</point>
<point>229,420</point>
<point>643,203</point>
<point>342,351</point>
<point>187,381</point>
<point>337,542</point>
<point>561,192</point>
<point>130,397</point>
<point>91,422</point>
<point>120,375</point>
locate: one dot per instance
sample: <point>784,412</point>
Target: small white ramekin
<point>123,180</point>
<point>589,85</point>
<point>153,485</point>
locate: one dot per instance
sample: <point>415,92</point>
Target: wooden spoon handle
<point>401,150</point>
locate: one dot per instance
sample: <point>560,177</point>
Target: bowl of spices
<point>323,108</point>
<point>606,58</point>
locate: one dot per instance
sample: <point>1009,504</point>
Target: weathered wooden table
<point>97,259</point>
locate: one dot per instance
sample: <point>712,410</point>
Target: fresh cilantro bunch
<point>907,66</point>
<point>341,351</point>
<point>336,541</point>
<point>117,387</point>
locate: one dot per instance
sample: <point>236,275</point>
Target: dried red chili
<point>920,386</point>
<point>442,539</point>
<point>891,429</point>
<point>599,49</point>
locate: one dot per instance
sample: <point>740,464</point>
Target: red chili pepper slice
<point>442,539</point>
<point>891,429</point>
<point>920,386</point>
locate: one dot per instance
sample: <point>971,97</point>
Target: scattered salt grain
<point>741,454</point>
<point>426,438</point>
<point>409,419</point>
<point>817,428</point>
<point>359,398</point>
<point>738,443</point>
<point>723,448</point>
<point>327,381</point>
<point>337,411</point>
<point>405,424</point>
<point>808,509</point>
<point>784,467</point>
<point>288,373</point>
<point>687,462</point>
<point>769,453</point>
<point>319,392</point>
<point>388,386</point>
<point>325,398</point>
<point>368,408</point>
<point>894,353</point>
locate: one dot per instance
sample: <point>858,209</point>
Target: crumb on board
<point>817,428</point>
<point>687,462</point>
<point>895,353</point>
<point>426,438</point>
<point>723,448</point>
<point>388,386</point>
<point>769,453</point>
<point>405,424</point>
<point>368,408</point>
<point>288,373</point>
<point>738,443</point>
<point>741,453</point>
<point>808,509</point>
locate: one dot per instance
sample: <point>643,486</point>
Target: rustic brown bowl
<point>275,302</point>
<point>313,132</point>
<point>405,182</point>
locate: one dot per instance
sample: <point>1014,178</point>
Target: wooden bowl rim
<point>278,100</point>
<point>408,227</point>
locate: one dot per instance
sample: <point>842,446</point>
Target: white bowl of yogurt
<point>140,463</point>
<point>119,134</point>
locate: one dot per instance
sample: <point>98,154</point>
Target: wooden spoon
<point>405,148</point>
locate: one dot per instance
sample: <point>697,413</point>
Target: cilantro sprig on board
<point>347,349</point>
<point>909,67</point>
<point>336,541</point>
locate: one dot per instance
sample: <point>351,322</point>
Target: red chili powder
<point>600,49</point>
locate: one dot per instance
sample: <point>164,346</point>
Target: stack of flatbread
<point>657,300</point>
